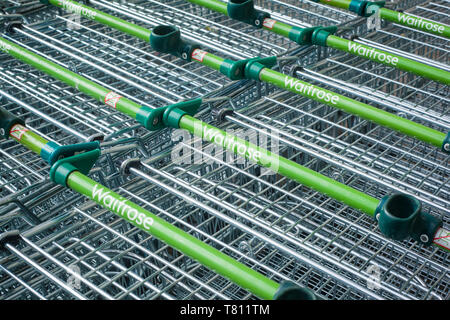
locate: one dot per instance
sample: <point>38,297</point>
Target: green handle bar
<point>326,39</point>
<point>330,98</point>
<point>208,256</point>
<point>367,8</point>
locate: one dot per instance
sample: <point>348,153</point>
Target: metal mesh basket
<point>71,248</point>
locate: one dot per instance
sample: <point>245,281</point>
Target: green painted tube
<point>103,18</point>
<point>290,169</point>
<point>389,59</point>
<point>72,79</point>
<point>360,109</point>
<point>208,256</point>
<point>415,22</point>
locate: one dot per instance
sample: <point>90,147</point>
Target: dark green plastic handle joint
<point>7,121</point>
<point>244,11</point>
<point>52,152</point>
<point>167,39</point>
<point>246,68</point>
<point>400,216</point>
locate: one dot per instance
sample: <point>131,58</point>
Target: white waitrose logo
<point>119,206</point>
<point>231,143</point>
<point>372,53</point>
<point>78,9</point>
<point>420,23</point>
<point>310,90</point>
<point>5,47</point>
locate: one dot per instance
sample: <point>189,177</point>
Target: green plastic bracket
<point>288,290</point>
<point>244,11</point>
<point>446,143</point>
<point>82,162</point>
<point>400,216</point>
<point>169,116</point>
<point>313,35</point>
<point>7,121</point>
<point>167,39</point>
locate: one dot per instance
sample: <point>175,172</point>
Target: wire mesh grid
<point>215,30</point>
<point>291,232</point>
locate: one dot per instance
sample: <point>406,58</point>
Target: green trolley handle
<point>367,8</point>
<point>167,39</point>
<point>71,172</point>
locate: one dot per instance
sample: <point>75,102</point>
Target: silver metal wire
<point>70,248</point>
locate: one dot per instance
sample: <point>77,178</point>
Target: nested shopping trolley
<point>57,244</point>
